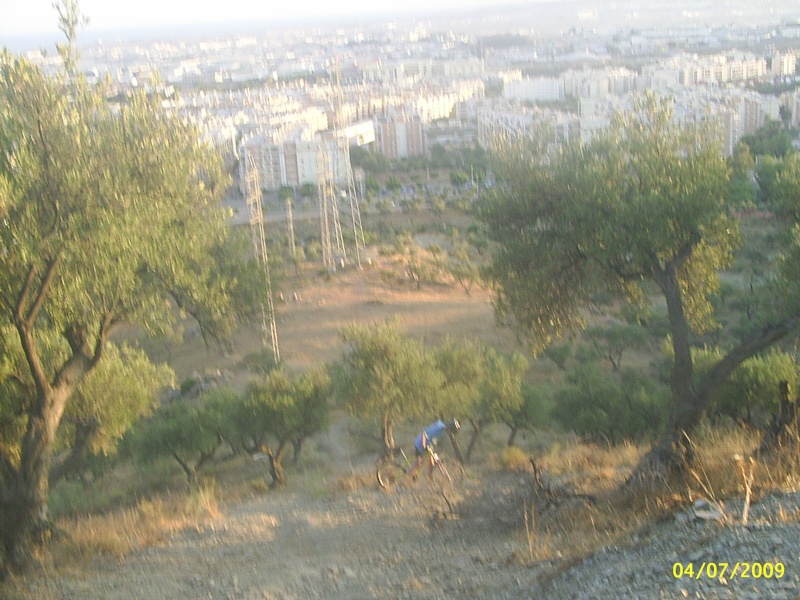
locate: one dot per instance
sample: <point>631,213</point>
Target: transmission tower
<point>336,182</point>
<point>260,249</point>
<point>290,226</point>
<point>333,250</point>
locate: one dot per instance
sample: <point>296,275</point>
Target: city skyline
<point>38,17</point>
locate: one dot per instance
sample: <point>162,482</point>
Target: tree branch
<point>44,288</point>
<point>24,320</point>
<point>8,472</point>
<point>761,340</point>
<point>75,458</point>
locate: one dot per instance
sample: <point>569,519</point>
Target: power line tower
<point>290,226</point>
<point>333,250</point>
<point>253,188</point>
<point>337,183</point>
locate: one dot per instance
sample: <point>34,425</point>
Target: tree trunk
<point>456,446</point>
<point>477,427</point>
<point>513,436</point>
<point>297,445</point>
<point>25,504</point>
<point>74,462</point>
<point>276,465</point>
<point>387,433</point>
<point>188,470</point>
<point>782,423</point>
<point>26,513</point>
<point>673,451</point>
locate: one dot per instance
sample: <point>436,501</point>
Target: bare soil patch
<point>311,311</point>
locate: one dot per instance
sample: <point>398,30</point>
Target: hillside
<point>334,534</point>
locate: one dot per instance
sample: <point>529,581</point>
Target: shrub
<point>514,458</point>
<point>607,408</point>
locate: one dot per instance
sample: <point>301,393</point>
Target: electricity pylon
<point>260,248</point>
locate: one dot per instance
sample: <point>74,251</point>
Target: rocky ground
<point>365,543</point>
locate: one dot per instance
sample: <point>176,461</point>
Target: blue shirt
<point>433,432</point>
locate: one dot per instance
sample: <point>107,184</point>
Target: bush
<point>515,459</point>
<point>608,408</point>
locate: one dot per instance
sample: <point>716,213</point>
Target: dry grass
<point>600,466</point>
<point>81,539</point>
<point>723,469</point>
<point>514,458</point>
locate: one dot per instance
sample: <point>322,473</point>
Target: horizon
<point>39,18</point>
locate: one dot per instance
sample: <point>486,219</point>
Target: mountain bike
<point>393,471</point>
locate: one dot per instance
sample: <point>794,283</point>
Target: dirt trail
<point>362,543</point>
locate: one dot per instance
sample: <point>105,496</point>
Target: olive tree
<point>280,410</point>
<point>386,376</point>
<point>109,215</point>
<point>643,202</point>
<point>188,431</point>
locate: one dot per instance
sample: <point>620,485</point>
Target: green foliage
<point>415,264</point>
<point>751,394</point>
<point>188,432</point>
<point>604,217</point>
<point>535,412</point>
<point>462,364</point>
<point>122,389</point>
<point>786,187</point>
<point>771,140</point>
<point>373,163</point>
<point>613,340</point>
<point>386,376</point>
<point>308,190</point>
<point>459,178</point>
<point>278,410</point>
<point>767,179</point>
<point>602,407</point>
<point>110,216</point>
<point>559,354</point>
<point>260,362</point>
<point>312,395</point>
<point>501,387</point>
<point>463,266</point>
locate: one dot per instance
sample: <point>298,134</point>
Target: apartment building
<point>538,89</point>
<point>293,162</point>
<point>400,137</point>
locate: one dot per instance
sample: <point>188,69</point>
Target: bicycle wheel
<point>389,474</point>
<point>452,473</point>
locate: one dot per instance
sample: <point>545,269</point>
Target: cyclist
<point>424,442</point>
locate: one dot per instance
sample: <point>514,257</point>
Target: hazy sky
<point>18,17</point>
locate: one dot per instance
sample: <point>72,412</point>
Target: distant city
<point>289,101</point>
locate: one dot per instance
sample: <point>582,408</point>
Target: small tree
<point>270,411</point>
<point>612,341</point>
<point>280,411</point>
<point>312,393</point>
<point>463,366</point>
<point>386,376</point>
<point>190,433</point>
<point>532,413</point>
<point>500,393</point>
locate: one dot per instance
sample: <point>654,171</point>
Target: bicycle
<point>393,470</point>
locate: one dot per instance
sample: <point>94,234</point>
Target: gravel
<point>368,544</point>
